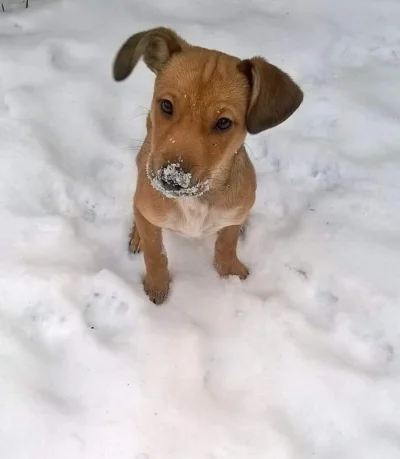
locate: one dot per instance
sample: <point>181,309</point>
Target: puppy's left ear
<point>274,96</point>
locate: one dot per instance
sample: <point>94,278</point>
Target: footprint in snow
<point>106,312</point>
<point>90,213</point>
<point>68,55</point>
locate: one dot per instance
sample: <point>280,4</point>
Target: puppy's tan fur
<point>203,86</point>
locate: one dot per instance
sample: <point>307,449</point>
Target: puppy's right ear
<point>156,46</point>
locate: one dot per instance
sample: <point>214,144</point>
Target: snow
<point>299,361</point>
<point>173,182</point>
<point>175,175</point>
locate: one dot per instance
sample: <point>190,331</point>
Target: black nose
<point>174,178</point>
<point>170,185</point>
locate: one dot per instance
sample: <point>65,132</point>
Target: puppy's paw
<point>134,241</point>
<point>156,289</point>
<point>232,268</point>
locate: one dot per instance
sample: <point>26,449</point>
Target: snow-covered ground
<point>300,361</point>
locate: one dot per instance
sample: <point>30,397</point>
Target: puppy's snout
<point>170,185</point>
<point>174,178</point>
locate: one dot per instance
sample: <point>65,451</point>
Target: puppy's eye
<point>223,124</point>
<point>166,106</point>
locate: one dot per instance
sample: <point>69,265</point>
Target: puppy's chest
<point>195,219</point>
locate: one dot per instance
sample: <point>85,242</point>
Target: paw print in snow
<point>90,214</point>
<point>107,313</point>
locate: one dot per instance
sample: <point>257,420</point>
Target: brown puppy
<point>195,177</point>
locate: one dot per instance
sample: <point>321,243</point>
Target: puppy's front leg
<point>156,281</point>
<point>226,261</point>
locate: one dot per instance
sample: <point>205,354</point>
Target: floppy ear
<point>274,96</point>
<point>156,46</point>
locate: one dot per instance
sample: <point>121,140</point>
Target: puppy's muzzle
<point>173,181</point>
<point>173,178</point>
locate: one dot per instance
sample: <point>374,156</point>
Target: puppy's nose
<point>174,178</point>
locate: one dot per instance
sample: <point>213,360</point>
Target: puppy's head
<point>204,104</point>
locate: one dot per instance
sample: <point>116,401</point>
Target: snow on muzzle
<point>173,182</point>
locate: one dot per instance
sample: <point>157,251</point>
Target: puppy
<point>194,174</point>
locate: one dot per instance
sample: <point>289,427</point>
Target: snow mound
<point>300,361</point>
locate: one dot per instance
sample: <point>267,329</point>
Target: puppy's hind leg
<point>243,230</point>
<point>134,240</point>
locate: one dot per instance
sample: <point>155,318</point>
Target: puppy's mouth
<point>173,182</point>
